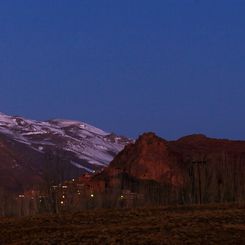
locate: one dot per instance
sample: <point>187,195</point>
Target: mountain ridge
<point>83,147</point>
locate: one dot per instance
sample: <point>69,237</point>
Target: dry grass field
<point>170,225</point>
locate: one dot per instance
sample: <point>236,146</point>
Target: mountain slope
<point>25,145</point>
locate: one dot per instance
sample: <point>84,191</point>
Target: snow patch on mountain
<point>83,141</point>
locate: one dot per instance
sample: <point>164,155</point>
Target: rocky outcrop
<point>150,158</point>
<point>193,169</point>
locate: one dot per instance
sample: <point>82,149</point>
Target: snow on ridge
<point>82,125</point>
<point>6,119</point>
<point>84,141</point>
<point>12,121</point>
<point>82,167</point>
<point>64,122</point>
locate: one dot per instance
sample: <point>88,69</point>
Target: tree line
<point>216,178</point>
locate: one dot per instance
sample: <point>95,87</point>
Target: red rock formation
<point>150,158</point>
<point>201,168</point>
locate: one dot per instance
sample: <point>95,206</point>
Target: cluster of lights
<point>21,196</point>
<point>62,201</point>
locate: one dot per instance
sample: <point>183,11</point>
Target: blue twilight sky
<point>175,67</point>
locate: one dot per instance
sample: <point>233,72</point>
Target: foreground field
<point>179,225</point>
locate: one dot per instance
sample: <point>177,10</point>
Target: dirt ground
<point>219,224</point>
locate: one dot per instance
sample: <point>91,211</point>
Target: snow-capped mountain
<point>84,147</point>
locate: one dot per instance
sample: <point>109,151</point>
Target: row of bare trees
<point>217,179</point>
